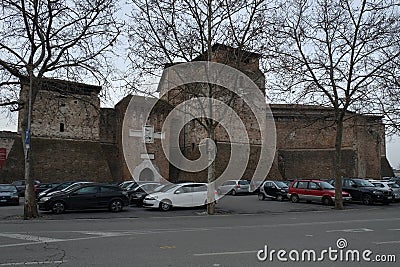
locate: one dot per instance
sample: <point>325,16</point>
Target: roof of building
<point>234,51</point>
<point>66,87</point>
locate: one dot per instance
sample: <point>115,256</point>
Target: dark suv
<point>364,191</point>
<point>273,189</point>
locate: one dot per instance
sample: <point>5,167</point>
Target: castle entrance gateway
<point>146,170</point>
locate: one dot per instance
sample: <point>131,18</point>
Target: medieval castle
<point>74,139</point>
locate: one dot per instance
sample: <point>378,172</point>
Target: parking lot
<point>241,204</point>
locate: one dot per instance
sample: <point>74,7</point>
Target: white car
<point>389,186</point>
<point>178,195</point>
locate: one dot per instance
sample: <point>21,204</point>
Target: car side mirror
<point>178,192</point>
<point>354,186</point>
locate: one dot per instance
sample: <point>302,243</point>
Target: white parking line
<point>387,242</point>
<point>31,263</point>
<point>30,238</point>
<point>226,253</point>
<point>359,230</point>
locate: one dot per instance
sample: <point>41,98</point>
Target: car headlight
<point>125,193</point>
<point>283,191</point>
<point>44,199</point>
<point>376,192</point>
<point>151,198</point>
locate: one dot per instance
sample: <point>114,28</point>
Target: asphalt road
<point>187,237</point>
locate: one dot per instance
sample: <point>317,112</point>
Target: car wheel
<point>116,205</point>
<point>58,207</point>
<point>279,197</point>
<point>295,198</point>
<point>165,205</point>
<point>367,200</point>
<point>261,196</point>
<point>233,193</point>
<point>327,201</point>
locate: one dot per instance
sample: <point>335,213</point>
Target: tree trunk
<point>30,207</point>
<point>211,171</point>
<point>338,161</point>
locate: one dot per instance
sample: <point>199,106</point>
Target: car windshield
<point>132,186</point>
<point>71,187</point>
<point>7,188</point>
<point>326,185</point>
<point>167,187</point>
<point>160,187</point>
<point>281,184</point>
<point>363,183</point>
<point>393,185</point>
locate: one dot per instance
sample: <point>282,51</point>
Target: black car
<point>56,188</point>
<point>9,194</point>
<point>364,191</point>
<point>86,196</point>
<point>20,184</point>
<point>138,193</point>
<point>39,188</point>
<point>273,189</point>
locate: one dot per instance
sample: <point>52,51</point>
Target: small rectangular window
<point>62,127</point>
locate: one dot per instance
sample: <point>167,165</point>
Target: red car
<point>314,190</point>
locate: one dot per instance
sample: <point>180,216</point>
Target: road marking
<point>31,238</point>
<point>359,230</point>
<point>103,234</point>
<point>31,263</point>
<point>167,247</point>
<point>394,229</point>
<point>226,253</point>
<point>309,235</point>
<point>387,242</point>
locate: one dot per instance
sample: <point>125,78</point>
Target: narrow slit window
<point>62,127</point>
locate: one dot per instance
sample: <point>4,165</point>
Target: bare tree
<point>336,54</point>
<point>64,38</point>
<point>163,32</point>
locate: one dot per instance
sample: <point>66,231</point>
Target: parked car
<point>86,196</point>
<point>314,190</point>
<point>364,191</point>
<point>136,195</point>
<point>274,190</point>
<point>178,195</point>
<point>9,194</point>
<point>395,179</point>
<point>39,188</point>
<point>234,187</point>
<point>125,184</point>
<point>20,184</point>
<point>389,186</point>
<point>59,187</point>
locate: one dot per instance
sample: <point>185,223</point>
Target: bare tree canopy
<point>56,39</point>
<point>65,38</point>
<point>165,31</point>
<point>336,53</point>
<point>340,54</point>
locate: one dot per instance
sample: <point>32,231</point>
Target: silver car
<point>234,187</point>
<point>389,186</point>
